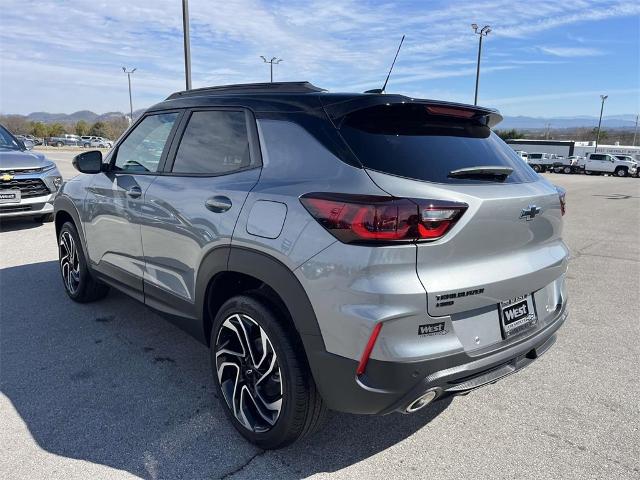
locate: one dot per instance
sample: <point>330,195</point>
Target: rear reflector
<point>376,219</point>
<point>364,359</point>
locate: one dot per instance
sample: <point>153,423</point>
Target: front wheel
<point>567,170</point>
<point>261,374</point>
<point>536,168</point>
<point>621,172</point>
<point>78,282</point>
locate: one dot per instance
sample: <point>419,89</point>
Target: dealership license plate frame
<point>519,322</point>
<point>17,195</point>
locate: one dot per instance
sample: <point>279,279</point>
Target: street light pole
<point>187,43</point>
<point>129,72</point>
<point>635,132</point>
<point>271,62</point>
<point>603,98</point>
<point>483,32</point>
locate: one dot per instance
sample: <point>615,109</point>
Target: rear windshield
<point>407,141</point>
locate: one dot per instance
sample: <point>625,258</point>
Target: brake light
<point>366,218</point>
<point>451,111</point>
<point>364,359</point>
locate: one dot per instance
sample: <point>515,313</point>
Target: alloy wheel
<point>69,262</point>
<point>248,373</point>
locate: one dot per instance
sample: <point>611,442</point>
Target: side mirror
<point>88,162</point>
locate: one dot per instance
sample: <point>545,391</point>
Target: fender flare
<point>62,203</point>
<point>268,270</point>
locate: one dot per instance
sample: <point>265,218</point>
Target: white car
<point>600,163</point>
<point>541,162</point>
<point>523,155</point>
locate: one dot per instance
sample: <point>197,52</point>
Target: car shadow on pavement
<point>12,225</point>
<point>113,383</point>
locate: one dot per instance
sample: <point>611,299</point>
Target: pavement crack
<point>244,465</point>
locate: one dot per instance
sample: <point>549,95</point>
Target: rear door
<point>192,208</point>
<point>506,244</point>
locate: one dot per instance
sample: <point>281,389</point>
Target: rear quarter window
<point>407,141</point>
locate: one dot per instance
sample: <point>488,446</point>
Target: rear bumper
<point>392,386</point>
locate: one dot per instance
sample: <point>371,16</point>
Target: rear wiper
<point>496,174</point>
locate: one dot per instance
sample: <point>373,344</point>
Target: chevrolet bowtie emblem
<point>6,177</point>
<point>530,212</point>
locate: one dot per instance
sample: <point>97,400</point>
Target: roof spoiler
<point>341,109</point>
<point>247,88</point>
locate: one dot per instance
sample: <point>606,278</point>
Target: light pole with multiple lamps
<point>129,72</point>
<point>602,98</point>
<point>481,32</point>
<point>274,60</point>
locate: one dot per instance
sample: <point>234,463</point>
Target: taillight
<point>562,193</point>
<point>367,218</point>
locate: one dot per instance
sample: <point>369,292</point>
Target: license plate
<point>517,315</point>
<point>9,196</point>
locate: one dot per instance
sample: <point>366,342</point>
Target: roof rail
<point>247,88</point>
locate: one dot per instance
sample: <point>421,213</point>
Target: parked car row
<point>87,141</point>
<point>592,164</point>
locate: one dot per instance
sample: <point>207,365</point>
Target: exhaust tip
<point>422,401</point>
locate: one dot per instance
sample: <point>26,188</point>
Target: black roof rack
<point>247,88</point>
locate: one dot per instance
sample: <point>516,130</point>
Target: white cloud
<point>571,52</point>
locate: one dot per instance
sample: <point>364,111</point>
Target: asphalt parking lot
<point>110,390</point>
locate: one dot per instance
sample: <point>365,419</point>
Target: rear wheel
<point>261,375</point>
<point>567,170</point>
<point>536,168</point>
<point>78,282</point>
<point>59,144</point>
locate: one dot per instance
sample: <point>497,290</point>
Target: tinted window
<point>214,142</point>
<point>142,149</point>
<point>406,140</point>
<point>597,157</point>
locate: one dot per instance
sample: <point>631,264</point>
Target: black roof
<point>287,97</point>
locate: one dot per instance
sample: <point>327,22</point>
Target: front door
<point>115,199</point>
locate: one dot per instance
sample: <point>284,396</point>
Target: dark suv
<point>366,253</point>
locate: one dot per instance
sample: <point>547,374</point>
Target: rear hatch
<point>508,241</point>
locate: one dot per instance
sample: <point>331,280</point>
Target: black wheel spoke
<point>69,262</point>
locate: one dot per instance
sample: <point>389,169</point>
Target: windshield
<point>7,140</point>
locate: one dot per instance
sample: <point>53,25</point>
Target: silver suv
<point>365,253</point>
<point>28,181</point>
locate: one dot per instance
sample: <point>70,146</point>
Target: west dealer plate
<point>517,315</point>
<point>10,196</point>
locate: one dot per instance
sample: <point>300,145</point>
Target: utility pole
<point>274,60</point>
<point>129,72</point>
<point>187,43</point>
<point>483,32</point>
<point>546,133</point>
<point>635,132</point>
<point>602,98</point>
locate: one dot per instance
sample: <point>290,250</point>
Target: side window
<point>142,149</point>
<point>596,157</point>
<point>214,143</point>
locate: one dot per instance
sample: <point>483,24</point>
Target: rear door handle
<point>218,204</point>
<point>134,191</point>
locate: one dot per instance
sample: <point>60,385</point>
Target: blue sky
<point>543,58</point>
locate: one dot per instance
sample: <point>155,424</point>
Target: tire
<point>621,172</point>
<point>59,144</point>
<point>44,218</point>
<point>78,282</point>
<point>567,170</point>
<point>536,168</point>
<point>291,405</point>
<point>587,172</point>
<point>86,145</point>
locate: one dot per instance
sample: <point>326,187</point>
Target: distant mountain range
<point>518,122</point>
<point>612,121</point>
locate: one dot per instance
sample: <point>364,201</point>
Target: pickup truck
<point>66,139</point>
<point>601,163</point>
<point>541,162</point>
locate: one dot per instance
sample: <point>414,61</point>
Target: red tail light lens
<point>365,218</point>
